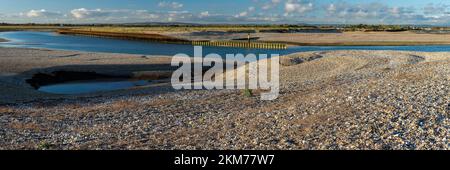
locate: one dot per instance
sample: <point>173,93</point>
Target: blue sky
<point>227,11</point>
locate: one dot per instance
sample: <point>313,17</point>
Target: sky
<point>419,12</point>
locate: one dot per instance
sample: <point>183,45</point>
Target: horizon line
<point>193,24</point>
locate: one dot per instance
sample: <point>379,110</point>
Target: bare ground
<point>346,38</point>
<point>328,100</point>
<point>354,37</point>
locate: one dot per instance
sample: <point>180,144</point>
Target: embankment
<point>135,36</point>
<point>169,39</point>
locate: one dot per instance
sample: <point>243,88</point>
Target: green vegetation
<point>32,27</point>
<point>248,93</point>
<point>389,28</point>
<point>193,28</point>
<point>44,145</point>
<point>126,35</point>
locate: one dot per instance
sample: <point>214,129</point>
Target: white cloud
<point>276,1</point>
<point>245,13</point>
<point>173,5</point>
<point>271,4</point>
<point>204,14</point>
<point>83,13</point>
<point>128,16</point>
<point>374,13</point>
<point>283,11</point>
<point>292,6</point>
<point>242,14</point>
<point>41,13</point>
<point>144,14</point>
<point>331,8</point>
<point>436,10</point>
<point>266,6</point>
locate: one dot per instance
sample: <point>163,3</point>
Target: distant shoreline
<point>358,39</point>
<point>290,39</point>
<point>398,43</point>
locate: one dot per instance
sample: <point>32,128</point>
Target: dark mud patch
<point>56,77</point>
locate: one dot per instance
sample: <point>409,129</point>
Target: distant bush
<point>389,28</point>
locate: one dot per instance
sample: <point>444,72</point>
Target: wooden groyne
<point>167,39</point>
<point>241,44</point>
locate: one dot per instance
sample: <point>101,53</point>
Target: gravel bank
<point>329,100</point>
<point>335,39</point>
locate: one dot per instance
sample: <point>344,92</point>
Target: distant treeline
<point>172,25</point>
<point>48,25</point>
<point>388,28</point>
<point>281,28</point>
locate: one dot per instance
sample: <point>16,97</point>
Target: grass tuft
<point>248,93</point>
<point>44,145</point>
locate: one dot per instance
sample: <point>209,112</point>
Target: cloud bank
<point>263,11</point>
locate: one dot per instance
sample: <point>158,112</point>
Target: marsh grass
<point>159,29</point>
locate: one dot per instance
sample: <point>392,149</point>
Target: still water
<point>90,87</point>
<point>50,40</point>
